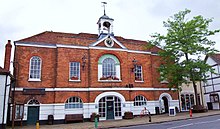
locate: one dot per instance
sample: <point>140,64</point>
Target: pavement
<point>125,122</point>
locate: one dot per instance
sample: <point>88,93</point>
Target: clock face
<point>109,42</point>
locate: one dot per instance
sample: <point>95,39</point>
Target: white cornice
<point>71,46</point>
<point>141,52</point>
<point>102,89</point>
<point>34,45</point>
<point>80,47</point>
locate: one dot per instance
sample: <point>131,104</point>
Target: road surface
<point>209,122</point>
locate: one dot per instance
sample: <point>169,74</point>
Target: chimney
<point>7,55</point>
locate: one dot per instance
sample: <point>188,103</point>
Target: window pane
<point>140,101</point>
<point>108,68</point>
<point>183,102</point>
<point>35,67</point>
<point>74,102</point>
<point>192,99</point>
<point>138,73</point>
<point>74,70</point>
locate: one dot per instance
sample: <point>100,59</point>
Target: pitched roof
<point>83,39</point>
<point>3,71</point>
<point>216,58</point>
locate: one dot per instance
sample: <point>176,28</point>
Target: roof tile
<point>83,39</point>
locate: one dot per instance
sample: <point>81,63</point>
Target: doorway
<point>166,104</point>
<point>33,115</point>
<point>110,110</point>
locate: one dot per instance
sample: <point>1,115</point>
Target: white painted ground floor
<point>109,105</point>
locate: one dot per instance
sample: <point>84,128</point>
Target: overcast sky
<point>133,19</point>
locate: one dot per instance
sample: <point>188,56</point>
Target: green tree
<point>183,45</point>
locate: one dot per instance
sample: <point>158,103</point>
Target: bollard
<point>96,122</point>
<point>190,112</point>
<point>37,125</point>
<point>149,117</point>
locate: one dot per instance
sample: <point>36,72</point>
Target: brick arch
<point>168,96</point>
<point>74,96</point>
<point>111,53</point>
<point>37,55</point>
<point>28,99</point>
<point>140,95</point>
<point>63,97</point>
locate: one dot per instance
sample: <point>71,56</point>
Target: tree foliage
<point>183,44</point>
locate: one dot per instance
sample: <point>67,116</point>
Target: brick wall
<point>55,72</point>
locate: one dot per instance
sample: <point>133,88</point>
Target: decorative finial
<point>104,3</point>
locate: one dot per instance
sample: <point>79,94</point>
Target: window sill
<point>139,81</point>
<point>34,80</point>
<point>75,80</point>
<point>109,80</point>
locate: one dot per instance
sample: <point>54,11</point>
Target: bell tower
<point>105,24</point>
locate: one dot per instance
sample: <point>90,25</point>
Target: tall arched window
<point>73,102</point>
<point>140,100</point>
<point>108,68</point>
<point>35,68</point>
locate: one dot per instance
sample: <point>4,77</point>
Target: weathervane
<point>104,3</point>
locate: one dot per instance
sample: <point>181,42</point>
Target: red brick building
<point>64,73</point>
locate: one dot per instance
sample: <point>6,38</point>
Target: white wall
<point>2,90</point>
<point>59,111</point>
<point>212,82</point>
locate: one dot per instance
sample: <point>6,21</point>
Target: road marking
<point>205,122</point>
<point>175,127</point>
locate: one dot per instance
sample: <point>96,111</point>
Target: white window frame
<point>102,109</point>
<point>117,68</point>
<point>76,101</point>
<point>70,67</point>
<point>138,72</point>
<point>30,69</point>
<point>140,100</point>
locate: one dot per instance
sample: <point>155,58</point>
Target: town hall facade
<point>63,73</point>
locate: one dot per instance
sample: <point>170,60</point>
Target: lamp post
<point>83,61</point>
<point>134,62</point>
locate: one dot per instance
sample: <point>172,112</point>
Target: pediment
<point>108,41</point>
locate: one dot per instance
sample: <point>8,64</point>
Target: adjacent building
<point>212,84</point>
<point>5,85</point>
<point>187,96</point>
<point>65,73</point>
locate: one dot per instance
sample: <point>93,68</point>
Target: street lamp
<point>134,62</point>
<point>83,61</point>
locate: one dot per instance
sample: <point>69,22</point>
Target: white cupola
<point>105,25</point>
